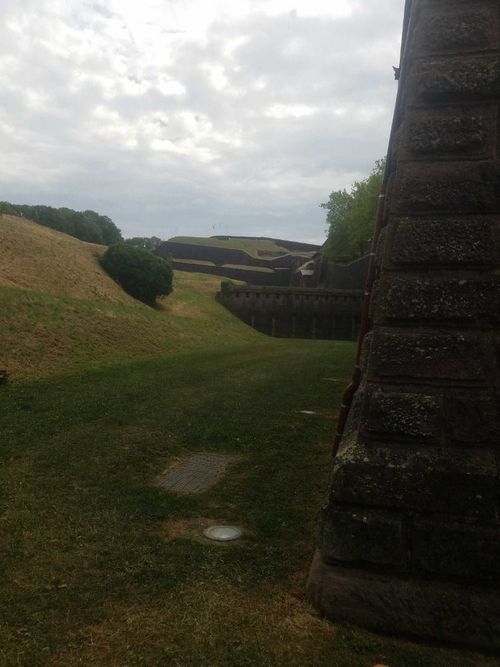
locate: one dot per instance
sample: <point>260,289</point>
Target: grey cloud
<point>272,183</point>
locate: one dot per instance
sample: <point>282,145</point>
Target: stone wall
<point>345,275</point>
<point>295,312</point>
<point>220,255</point>
<point>410,540</point>
<point>248,274</point>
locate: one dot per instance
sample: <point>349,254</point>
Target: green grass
<point>46,333</point>
<point>248,269</point>
<point>90,575</point>
<point>199,262</point>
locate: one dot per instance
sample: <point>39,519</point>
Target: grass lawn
<point>96,566</point>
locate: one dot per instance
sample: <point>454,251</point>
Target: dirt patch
<point>196,473</point>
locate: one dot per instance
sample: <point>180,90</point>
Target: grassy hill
<point>59,311</point>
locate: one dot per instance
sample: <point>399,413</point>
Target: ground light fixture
<point>222,533</point>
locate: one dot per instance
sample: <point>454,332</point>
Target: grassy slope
<point>59,311</point>
<point>96,568</point>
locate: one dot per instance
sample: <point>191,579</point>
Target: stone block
<point>450,29</point>
<point>449,133</point>
<point>456,550</point>
<point>353,420</point>
<point>446,611</point>
<point>362,536</point>
<point>455,79</point>
<point>453,187</point>
<point>400,355</point>
<point>421,299</point>
<point>404,414</point>
<point>471,416</point>
<point>451,241</point>
<point>458,482</point>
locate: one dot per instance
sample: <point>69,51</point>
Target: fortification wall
<point>247,275</point>
<point>410,539</point>
<point>221,256</point>
<point>349,275</point>
<point>295,312</point>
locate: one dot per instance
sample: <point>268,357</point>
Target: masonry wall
<point>221,256</point>
<point>295,312</point>
<point>346,275</point>
<point>410,539</point>
<point>248,275</point>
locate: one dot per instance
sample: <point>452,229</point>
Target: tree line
<point>84,225</point>
<point>351,216</point>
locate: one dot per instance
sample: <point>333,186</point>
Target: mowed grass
<point>48,334</point>
<point>60,312</point>
<point>96,570</point>
<point>99,565</point>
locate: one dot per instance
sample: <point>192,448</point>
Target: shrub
<point>140,273</point>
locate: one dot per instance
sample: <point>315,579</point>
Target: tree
<point>351,215</point>
<point>84,225</point>
<point>140,273</point>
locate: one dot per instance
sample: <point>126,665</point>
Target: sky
<point>192,117</point>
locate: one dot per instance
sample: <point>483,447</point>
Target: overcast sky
<point>195,117</point>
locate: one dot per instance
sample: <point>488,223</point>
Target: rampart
<point>292,246</point>
<point>248,274</point>
<point>295,312</point>
<point>347,275</point>
<point>221,256</point>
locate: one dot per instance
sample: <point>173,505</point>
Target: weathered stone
<point>459,482</point>
<point>429,356</point>
<point>456,79</point>
<point>415,298</point>
<point>452,133</point>
<point>420,459</point>
<point>448,29</point>
<point>427,188</point>
<point>471,416</point>
<point>427,609</point>
<point>445,241</point>
<point>355,411</point>
<point>362,537</point>
<point>449,549</point>
<point>404,414</point>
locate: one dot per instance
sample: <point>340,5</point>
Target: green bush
<point>140,273</point>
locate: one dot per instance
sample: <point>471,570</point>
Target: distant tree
<point>140,273</point>
<point>84,225</point>
<point>146,242</point>
<point>108,230</point>
<point>351,215</point>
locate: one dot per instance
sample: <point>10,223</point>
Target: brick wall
<point>410,539</point>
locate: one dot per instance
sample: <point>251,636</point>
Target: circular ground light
<point>222,533</point>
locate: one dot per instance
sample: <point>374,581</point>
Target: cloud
<point>190,118</point>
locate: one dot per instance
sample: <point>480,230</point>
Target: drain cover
<point>222,533</point>
<point>196,473</point>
